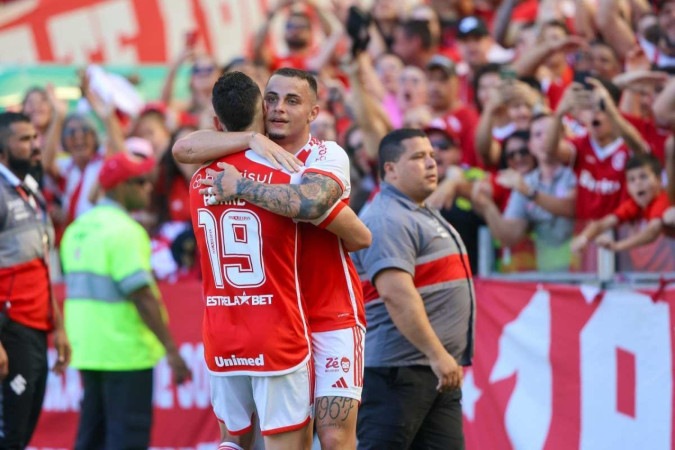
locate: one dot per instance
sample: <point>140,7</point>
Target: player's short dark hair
<point>236,100</point>
<point>291,72</point>
<point>8,118</point>
<point>645,160</point>
<point>391,146</point>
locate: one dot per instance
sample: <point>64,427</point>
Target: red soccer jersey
<point>462,124</point>
<point>254,320</point>
<point>600,177</point>
<point>655,136</point>
<point>329,281</point>
<point>628,210</point>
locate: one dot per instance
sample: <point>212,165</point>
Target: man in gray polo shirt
<point>420,307</point>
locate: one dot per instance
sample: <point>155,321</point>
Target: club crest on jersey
<point>196,183</point>
<point>619,161</point>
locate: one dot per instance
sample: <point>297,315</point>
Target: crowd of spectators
<point>539,111</point>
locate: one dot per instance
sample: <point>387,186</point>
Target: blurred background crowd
<point>547,117</point>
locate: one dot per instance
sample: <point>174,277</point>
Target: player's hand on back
<point>274,153</point>
<point>221,184</point>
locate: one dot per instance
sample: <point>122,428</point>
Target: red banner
<point>124,31</point>
<point>562,368</point>
<point>556,368</point>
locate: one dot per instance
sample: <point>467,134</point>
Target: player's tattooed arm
<point>305,201</point>
<point>308,200</point>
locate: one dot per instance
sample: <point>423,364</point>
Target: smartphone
<point>580,77</point>
<point>191,38</point>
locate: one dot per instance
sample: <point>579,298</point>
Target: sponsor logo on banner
<point>234,360</point>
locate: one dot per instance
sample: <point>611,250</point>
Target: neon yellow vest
<point>105,256</point>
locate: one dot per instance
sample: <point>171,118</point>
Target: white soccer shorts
<point>338,362</point>
<point>283,403</point>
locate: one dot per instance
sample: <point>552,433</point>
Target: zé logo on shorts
<point>332,364</point>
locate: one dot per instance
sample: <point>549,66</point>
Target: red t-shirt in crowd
<point>179,200</point>
<point>462,123</point>
<point>654,135</point>
<point>601,176</point>
<point>628,210</point>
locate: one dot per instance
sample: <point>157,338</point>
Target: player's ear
<point>313,113</point>
<point>217,125</point>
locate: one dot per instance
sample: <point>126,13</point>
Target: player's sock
<point>229,446</point>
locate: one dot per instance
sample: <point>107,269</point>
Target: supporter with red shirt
<point>647,201</point>
<point>639,89</point>
<point>599,158</point>
<point>458,118</point>
<point>474,43</point>
<point>302,52</point>
<point>547,59</point>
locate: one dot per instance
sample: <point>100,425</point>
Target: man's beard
<point>37,171</point>
<point>20,167</point>
<point>276,136</point>
<point>23,167</point>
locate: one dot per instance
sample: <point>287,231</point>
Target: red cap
<point>122,167</point>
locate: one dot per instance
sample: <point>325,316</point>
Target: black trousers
<point>116,411</point>
<point>24,388</point>
<point>401,409</point>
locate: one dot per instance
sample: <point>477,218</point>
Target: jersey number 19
<point>234,248</point>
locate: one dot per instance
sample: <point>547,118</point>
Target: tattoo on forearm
<point>218,182</point>
<point>308,200</point>
<point>318,193</point>
<point>334,408</point>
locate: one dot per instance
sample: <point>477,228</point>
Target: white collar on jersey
<point>605,152</point>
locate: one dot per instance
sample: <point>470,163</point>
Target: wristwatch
<point>532,193</point>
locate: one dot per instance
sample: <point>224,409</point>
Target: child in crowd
<point>647,201</point>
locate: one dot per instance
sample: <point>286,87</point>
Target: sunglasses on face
<point>522,152</point>
<point>72,131</point>
<point>203,70</point>
<point>442,144</point>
